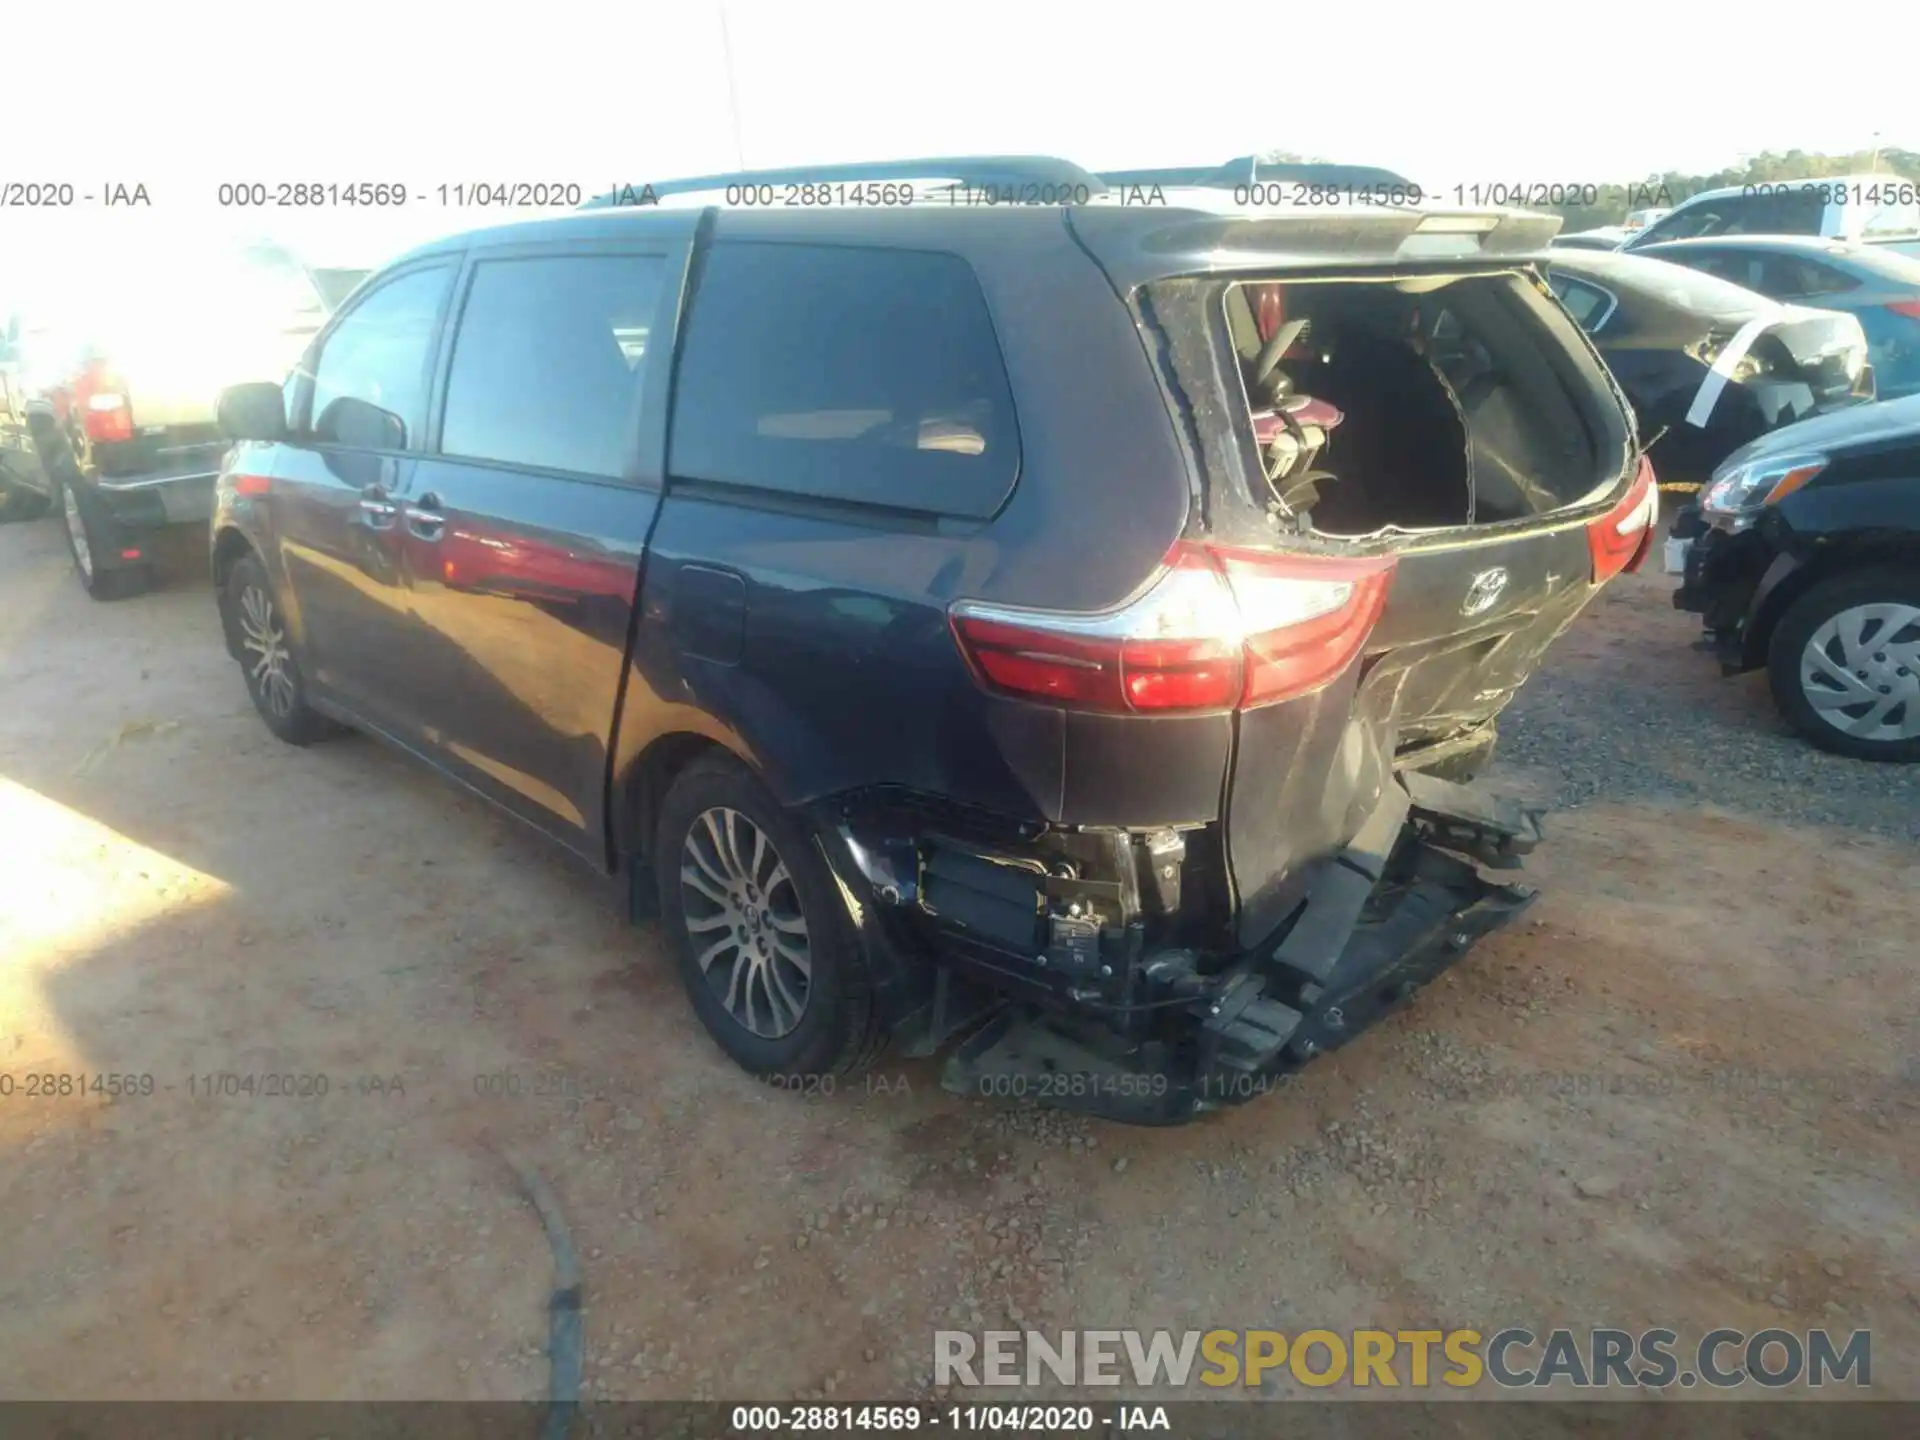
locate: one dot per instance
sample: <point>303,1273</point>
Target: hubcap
<point>1861,672</point>
<point>77,532</point>
<point>743,915</point>
<point>269,665</point>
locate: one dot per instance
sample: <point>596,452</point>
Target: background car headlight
<point>1742,491</point>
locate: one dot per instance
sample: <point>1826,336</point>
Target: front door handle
<point>378,509</point>
<point>424,519</point>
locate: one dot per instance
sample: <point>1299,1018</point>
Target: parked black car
<point>114,421</point>
<point>1803,555</point>
<point>1071,624</point>
<point>1708,365</point>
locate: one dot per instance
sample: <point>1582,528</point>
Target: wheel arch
<point>641,789</point>
<point>1833,558</point>
<point>901,975</point>
<point>230,544</point>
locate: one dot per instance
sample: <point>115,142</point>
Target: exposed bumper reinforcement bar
<point>1258,1024</point>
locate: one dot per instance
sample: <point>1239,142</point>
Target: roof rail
<point>983,171</point>
<point>1250,169</point>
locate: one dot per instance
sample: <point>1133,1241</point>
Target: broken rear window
<point>1413,403</point>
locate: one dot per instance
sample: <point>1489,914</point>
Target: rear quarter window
<point>1794,277</point>
<point>1588,304</point>
<point>849,374</point>
<point>1680,286</point>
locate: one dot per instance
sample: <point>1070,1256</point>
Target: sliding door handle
<point>424,519</point>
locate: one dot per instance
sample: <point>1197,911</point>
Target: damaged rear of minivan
<point>1408,473</point>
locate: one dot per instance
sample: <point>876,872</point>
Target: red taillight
<point>108,418</point>
<point>1620,539</point>
<point>1217,630</point>
<point>252,486</point>
<point>105,413</point>
<point>1908,308</point>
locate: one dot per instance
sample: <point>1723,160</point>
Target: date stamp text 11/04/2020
<point>113,1086</point>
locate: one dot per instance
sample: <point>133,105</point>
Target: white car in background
<point>1874,209</point>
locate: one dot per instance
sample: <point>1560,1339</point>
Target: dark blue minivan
<point>971,607</point>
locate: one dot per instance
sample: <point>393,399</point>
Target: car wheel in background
<point>764,945</point>
<point>95,548</point>
<point>252,615</point>
<point>1844,665</point>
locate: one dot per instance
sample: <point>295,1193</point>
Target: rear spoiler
<point>1195,242</point>
<point>993,172</point>
<point>981,172</point>
<point>1250,170</point>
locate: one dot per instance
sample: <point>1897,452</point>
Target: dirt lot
<point>1682,1093</point>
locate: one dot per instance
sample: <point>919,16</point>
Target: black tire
<point>1791,670</point>
<point>249,608</point>
<point>91,540</point>
<point>838,1030</point>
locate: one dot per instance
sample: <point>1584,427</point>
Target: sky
<point>181,97</point>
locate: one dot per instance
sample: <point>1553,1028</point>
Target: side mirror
<point>360,425</point>
<point>254,411</point>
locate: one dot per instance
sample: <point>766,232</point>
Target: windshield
<point>1889,220</point>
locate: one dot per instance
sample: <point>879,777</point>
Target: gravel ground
<point>1641,1105</point>
<point>1626,710</point>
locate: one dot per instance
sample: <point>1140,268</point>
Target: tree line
<point>1671,187</point>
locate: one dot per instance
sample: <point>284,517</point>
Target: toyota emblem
<point>1485,591</point>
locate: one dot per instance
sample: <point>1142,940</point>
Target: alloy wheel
<point>743,916</point>
<point>77,531</point>
<point>1860,671</point>
<point>269,663</point>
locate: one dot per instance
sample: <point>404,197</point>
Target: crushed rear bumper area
<point>1109,1024</point>
<point>1243,1039</point>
